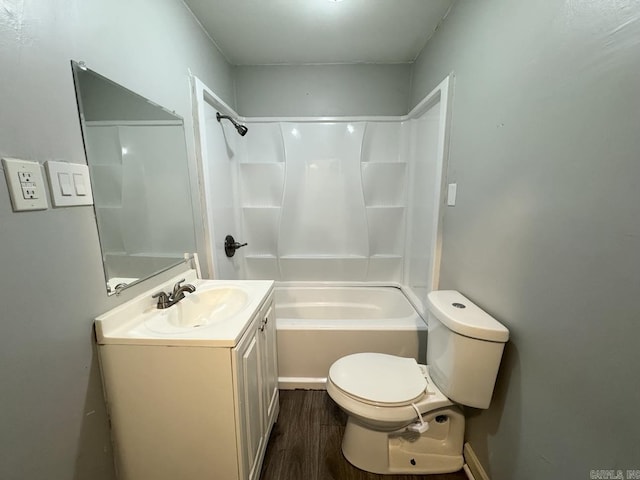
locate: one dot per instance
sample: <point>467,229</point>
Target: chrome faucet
<point>165,300</point>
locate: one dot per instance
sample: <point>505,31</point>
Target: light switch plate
<point>451,194</point>
<point>69,184</point>
<point>26,184</point>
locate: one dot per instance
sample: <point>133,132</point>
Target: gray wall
<point>545,149</point>
<point>322,90</point>
<point>52,417</point>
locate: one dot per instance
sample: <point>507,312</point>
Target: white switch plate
<point>78,189</point>
<point>26,185</point>
<point>451,194</point>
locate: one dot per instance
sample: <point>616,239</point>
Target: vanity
<point>192,389</point>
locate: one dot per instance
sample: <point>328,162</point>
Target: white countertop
<point>126,325</point>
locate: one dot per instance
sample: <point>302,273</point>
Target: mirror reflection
<point>137,159</point>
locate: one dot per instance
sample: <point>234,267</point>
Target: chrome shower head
<point>242,130</point>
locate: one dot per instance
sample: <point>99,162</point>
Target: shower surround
<point>322,201</point>
<point>326,199</point>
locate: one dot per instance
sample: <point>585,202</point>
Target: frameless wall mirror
<point>137,159</point>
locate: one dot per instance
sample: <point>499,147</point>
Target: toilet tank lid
<point>462,316</point>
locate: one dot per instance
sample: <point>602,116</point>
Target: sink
<point>201,309</point>
<point>215,315</point>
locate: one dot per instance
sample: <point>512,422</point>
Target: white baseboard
<point>467,472</point>
<point>475,470</point>
<point>303,383</point>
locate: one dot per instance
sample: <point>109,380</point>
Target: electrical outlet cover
<point>26,184</point>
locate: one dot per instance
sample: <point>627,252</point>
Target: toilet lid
<point>379,378</point>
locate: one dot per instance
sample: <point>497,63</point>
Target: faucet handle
<point>163,299</point>
<point>177,286</point>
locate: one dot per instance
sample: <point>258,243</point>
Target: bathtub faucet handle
<point>230,245</point>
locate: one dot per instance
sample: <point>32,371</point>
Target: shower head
<point>242,130</point>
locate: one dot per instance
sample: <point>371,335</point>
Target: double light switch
<point>69,184</point>
<point>72,184</point>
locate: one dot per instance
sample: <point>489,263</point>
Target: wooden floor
<point>305,443</point>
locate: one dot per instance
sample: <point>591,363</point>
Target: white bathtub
<point>316,325</point>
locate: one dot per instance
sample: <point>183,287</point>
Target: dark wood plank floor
<point>305,443</point>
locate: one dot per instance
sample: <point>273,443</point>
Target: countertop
<point>128,323</point>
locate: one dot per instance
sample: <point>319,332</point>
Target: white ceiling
<point>264,32</point>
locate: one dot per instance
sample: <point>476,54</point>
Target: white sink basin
<point>200,309</point>
<point>215,315</point>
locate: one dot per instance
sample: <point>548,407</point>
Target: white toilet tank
<point>464,348</point>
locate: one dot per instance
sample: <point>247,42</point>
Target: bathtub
<point>316,325</point>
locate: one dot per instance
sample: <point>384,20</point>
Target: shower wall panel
<point>224,151</point>
<point>323,206</point>
<point>261,179</point>
<point>423,143</point>
<point>324,200</point>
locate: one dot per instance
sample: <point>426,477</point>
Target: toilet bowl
<point>404,417</point>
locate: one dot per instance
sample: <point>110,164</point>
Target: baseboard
<point>303,383</point>
<point>473,464</point>
<point>467,472</point>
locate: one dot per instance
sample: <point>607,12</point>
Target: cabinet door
<point>270,363</point>
<point>252,411</point>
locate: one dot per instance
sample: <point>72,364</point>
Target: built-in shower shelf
<point>369,163</point>
<point>273,163</point>
<point>323,257</point>
<point>261,207</point>
<point>267,256</point>
<point>153,254</point>
<point>385,207</point>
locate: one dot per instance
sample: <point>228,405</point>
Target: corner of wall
<point>234,83</point>
<point>410,105</point>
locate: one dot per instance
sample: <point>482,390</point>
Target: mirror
<point>137,159</point>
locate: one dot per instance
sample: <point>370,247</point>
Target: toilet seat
<point>379,379</point>
<point>390,416</point>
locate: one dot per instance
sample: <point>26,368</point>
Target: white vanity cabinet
<point>256,381</point>
<point>192,411</point>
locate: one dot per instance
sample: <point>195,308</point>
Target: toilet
<point>408,418</point>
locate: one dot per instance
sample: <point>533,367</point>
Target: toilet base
<point>438,450</point>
